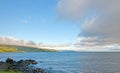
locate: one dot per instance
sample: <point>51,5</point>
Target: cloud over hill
<point>14,41</point>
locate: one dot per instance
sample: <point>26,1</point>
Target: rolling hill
<point>12,48</point>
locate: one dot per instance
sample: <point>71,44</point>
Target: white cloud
<point>101,30</point>
<point>72,9</point>
<point>65,46</point>
<point>9,40</point>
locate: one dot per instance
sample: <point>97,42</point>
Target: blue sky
<point>36,20</point>
<point>87,24</point>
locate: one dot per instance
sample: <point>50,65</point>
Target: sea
<point>70,61</point>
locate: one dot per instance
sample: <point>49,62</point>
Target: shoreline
<point>22,66</point>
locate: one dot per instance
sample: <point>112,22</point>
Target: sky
<point>90,25</point>
<point>35,20</point>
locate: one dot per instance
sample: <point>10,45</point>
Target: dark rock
<point>9,60</point>
<point>38,70</point>
<point>3,66</point>
<point>22,65</point>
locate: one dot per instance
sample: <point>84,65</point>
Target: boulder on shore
<point>22,65</point>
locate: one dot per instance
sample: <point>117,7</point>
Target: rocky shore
<point>24,66</point>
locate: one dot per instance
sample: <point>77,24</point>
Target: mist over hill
<point>8,40</point>
<point>15,41</point>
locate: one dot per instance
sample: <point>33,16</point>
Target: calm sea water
<point>72,62</point>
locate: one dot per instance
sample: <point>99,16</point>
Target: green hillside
<point>6,48</point>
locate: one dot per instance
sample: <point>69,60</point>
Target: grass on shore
<point>9,72</point>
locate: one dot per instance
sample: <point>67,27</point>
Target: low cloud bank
<point>14,41</point>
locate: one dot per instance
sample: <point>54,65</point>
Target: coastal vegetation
<point>10,72</point>
<point>9,48</point>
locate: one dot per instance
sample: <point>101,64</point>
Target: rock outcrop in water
<point>22,65</point>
